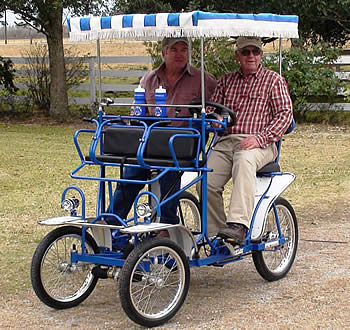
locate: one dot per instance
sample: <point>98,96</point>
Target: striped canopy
<point>194,24</point>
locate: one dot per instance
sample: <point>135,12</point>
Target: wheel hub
<point>64,267</point>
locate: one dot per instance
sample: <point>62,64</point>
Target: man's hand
<point>249,143</point>
<point>217,125</point>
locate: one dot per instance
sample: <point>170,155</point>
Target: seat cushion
<point>269,168</point>
<point>123,142</point>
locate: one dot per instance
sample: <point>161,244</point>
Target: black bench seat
<point>120,145</point>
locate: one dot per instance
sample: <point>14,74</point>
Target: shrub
<point>7,94</point>
<point>7,75</point>
<point>37,75</point>
<point>309,74</point>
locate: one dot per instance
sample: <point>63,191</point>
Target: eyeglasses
<point>246,52</point>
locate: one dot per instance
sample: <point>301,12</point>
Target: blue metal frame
<point>219,253</point>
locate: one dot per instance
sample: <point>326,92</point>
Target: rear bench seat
<point>120,145</point>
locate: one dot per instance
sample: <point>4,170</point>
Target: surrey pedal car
<point>154,273</point>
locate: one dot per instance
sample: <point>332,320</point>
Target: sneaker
<point>234,233</point>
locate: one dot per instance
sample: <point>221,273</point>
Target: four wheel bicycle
<point>153,272</point>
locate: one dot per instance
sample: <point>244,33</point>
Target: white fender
<point>278,184</point>
<point>178,233</point>
<point>102,236</point>
<point>184,238</point>
<point>188,177</point>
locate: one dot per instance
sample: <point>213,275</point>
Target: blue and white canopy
<point>194,24</point>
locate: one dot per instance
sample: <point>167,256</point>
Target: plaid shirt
<point>261,103</point>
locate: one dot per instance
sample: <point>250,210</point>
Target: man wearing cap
<point>263,107</point>
<point>183,84</point>
<point>178,77</point>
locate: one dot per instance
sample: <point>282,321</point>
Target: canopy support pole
<point>202,74</point>
<point>280,55</point>
<point>98,49</point>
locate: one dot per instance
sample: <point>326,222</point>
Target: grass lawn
<point>36,161</point>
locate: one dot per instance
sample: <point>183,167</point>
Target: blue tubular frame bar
<point>277,220</point>
<point>75,139</point>
<point>257,207</point>
<point>97,139</point>
<point>155,198</point>
<point>219,254</point>
<point>261,246</point>
<point>110,259</point>
<point>82,196</point>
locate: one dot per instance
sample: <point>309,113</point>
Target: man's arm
<point>282,111</point>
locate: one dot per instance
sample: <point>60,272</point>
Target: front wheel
<point>274,263</point>
<point>154,282</point>
<point>56,281</point>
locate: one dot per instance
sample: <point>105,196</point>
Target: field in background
<point>15,48</point>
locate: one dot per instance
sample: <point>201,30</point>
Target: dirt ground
<point>314,295</point>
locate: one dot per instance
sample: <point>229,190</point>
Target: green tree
<point>149,6</point>
<point>46,16</point>
<point>319,20</point>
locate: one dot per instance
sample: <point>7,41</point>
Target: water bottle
<point>161,100</point>
<point>139,98</point>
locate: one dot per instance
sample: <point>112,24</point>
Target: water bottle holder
<point>158,112</point>
<point>138,111</point>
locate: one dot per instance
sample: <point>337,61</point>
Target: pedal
<point>230,247</point>
<point>233,251</point>
<point>231,241</point>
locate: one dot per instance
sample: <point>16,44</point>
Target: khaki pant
<point>228,160</point>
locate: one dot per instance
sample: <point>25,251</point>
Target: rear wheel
<point>154,282</point>
<point>56,281</point>
<point>275,262</point>
<point>189,211</point>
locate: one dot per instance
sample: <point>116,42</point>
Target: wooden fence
<point>93,71</point>
<point>93,87</point>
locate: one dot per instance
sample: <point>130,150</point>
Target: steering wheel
<point>219,109</point>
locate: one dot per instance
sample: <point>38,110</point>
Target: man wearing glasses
<point>261,101</point>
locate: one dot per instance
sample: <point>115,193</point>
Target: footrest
<point>144,228</point>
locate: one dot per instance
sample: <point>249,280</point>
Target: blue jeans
<point>123,200</point>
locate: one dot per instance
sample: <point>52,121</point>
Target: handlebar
<point>220,109</point>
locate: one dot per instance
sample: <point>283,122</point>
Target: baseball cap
<point>168,42</point>
<point>248,41</point>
